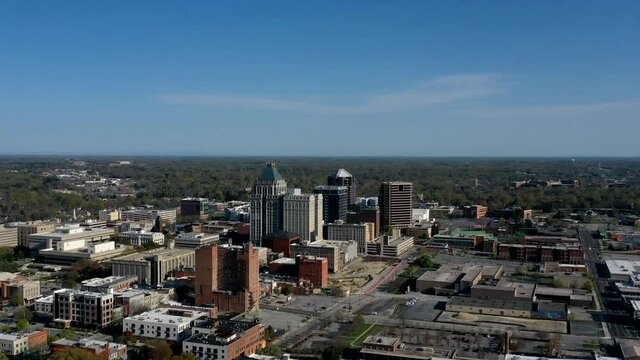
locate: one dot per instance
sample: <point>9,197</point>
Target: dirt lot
<point>357,273</point>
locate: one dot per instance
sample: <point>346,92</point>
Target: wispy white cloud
<point>551,112</point>
<point>443,90</point>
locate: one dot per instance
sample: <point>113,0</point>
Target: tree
<point>157,350</point>
<point>74,354</point>
<point>22,313</point>
<point>3,356</point>
<point>184,356</point>
<point>16,299</point>
<point>556,283</point>
<point>271,350</point>
<point>22,325</point>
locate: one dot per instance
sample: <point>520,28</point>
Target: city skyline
<point>453,79</point>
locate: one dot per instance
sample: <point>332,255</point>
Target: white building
<point>139,238</point>
<point>391,246</point>
<point>420,215</point>
<point>109,215</point>
<point>302,215</point>
<point>150,215</point>
<point>195,240</point>
<point>164,323</point>
<point>11,344</point>
<point>72,236</point>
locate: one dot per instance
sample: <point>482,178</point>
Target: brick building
<point>314,270</point>
<point>228,276</point>
<point>280,242</point>
<point>564,254</point>
<point>225,339</point>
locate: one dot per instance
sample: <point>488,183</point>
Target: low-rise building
<point>165,323</point>
<point>393,246</point>
<point>337,253</point>
<point>103,349</point>
<point>8,236</point>
<point>195,240</point>
<point>70,252</point>
<point>362,233</point>
<point>142,237</point>
<point>490,307</point>
<point>109,284</point>
<point>451,279</point>
<point>562,253</point>
<point>225,339</point>
<point>153,266</point>
<point>69,235</point>
<point>32,227</point>
<point>17,344</point>
<point>44,305</point>
<point>474,211</point>
<point>168,216</point>
<point>16,287</point>
<point>314,270</point>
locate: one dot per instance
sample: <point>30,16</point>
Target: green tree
<point>21,313</point>
<point>22,325</point>
<point>271,350</point>
<point>184,356</point>
<point>3,356</point>
<point>16,299</point>
<point>157,350</point>
<point>74,354</point>
<point>556,283</point>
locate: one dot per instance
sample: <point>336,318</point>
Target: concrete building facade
<point>362,233</point>
<point>153,266</point>
<point>266,203</point>
<point>302,215</point>
<point>396,204</point>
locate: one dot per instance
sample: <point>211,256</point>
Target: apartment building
<point>83,308</point>
<point>17,344</point>
<point>172,324</point>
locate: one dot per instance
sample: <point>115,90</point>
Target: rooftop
<point>270,173</point>
<point>176,316</point>
<point>342,173</point>
<point>142,256</point>
<point>494,304</point>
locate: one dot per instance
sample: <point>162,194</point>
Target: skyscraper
<point>266,203</point>
<point>343,178</point>
<point>302,215</point>
<point>336,202</point>
<point>396,203</point>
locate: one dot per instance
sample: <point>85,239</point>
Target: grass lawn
<point>357,336</point>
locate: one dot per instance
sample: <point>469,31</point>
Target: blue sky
<point>344,78</point>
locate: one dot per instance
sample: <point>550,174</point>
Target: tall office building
<point>396,200</point>
<point>336,202</point>
<point>266,203</point>
<point>228,276</point>
<point>302,215</point>
<point>343,178</point>
<point>197,207</point>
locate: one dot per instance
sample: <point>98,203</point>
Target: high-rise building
<point>343,178</point>
<point>266,203</point>
<point>302,215</point>
<point>396,200</point>
<point>228,276</point>
<point>371,215</point>
<point>336,202</point>
<point>197,207</point>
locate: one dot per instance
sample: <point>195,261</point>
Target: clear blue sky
<point>415,78</point>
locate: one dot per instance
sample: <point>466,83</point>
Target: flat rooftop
<point>175,316</point>
<point>142,256</point>
<point>493,304</point>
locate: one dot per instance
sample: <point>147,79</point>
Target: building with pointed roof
<point>343,178</point>
<point>266,203</point>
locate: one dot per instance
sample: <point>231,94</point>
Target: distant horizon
<point>124,157</point>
